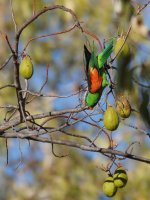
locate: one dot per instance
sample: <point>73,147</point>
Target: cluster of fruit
<point>112,183</point>
<point>111,122</point>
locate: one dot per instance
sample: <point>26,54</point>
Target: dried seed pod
<point>123,107</point>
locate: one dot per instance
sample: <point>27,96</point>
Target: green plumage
<point>104,55</point>
<point>105,82</point>
<point>92,99</point>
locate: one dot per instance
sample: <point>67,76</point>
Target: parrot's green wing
<point>104,55</point>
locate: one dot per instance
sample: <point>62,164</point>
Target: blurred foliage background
<point>33,172</point>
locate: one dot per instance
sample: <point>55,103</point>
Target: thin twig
<point>6,62</point>
<point>80,136</point>
<point>140,84</point>
<point>7,86</point>
<point>9,44</point>
<point>137,128</point>
<point>95,37</point>
<point>142,8</point>
<point>21,156</point>
<point>13,111</point>
<point>46,80</point>
<point>50,95</point>
<point>7,153</point>
<point>48,35</point>
<point>9,106</point>
<point>13,16</point>
<point>129,150</point>
<point>98,134</point>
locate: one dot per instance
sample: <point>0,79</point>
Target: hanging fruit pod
<point>111,119</point>
<point>120,177</point>
<point>26,67</point>
<point>109,187</point>
<point>125,49</point>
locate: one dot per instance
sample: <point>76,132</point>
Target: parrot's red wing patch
<point>95,80</point>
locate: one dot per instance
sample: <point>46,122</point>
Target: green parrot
<point>96,74</point>
<point>94,77</point>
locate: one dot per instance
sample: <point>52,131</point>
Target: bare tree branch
<point>77,145</point>
<point>15,121</point>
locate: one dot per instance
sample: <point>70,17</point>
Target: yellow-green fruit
<point>111,119</point>
<point>26,67</point>
<point>109,187</point>
<point>125,49</point>
<point>123,107</point>
<point>120,177</point>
